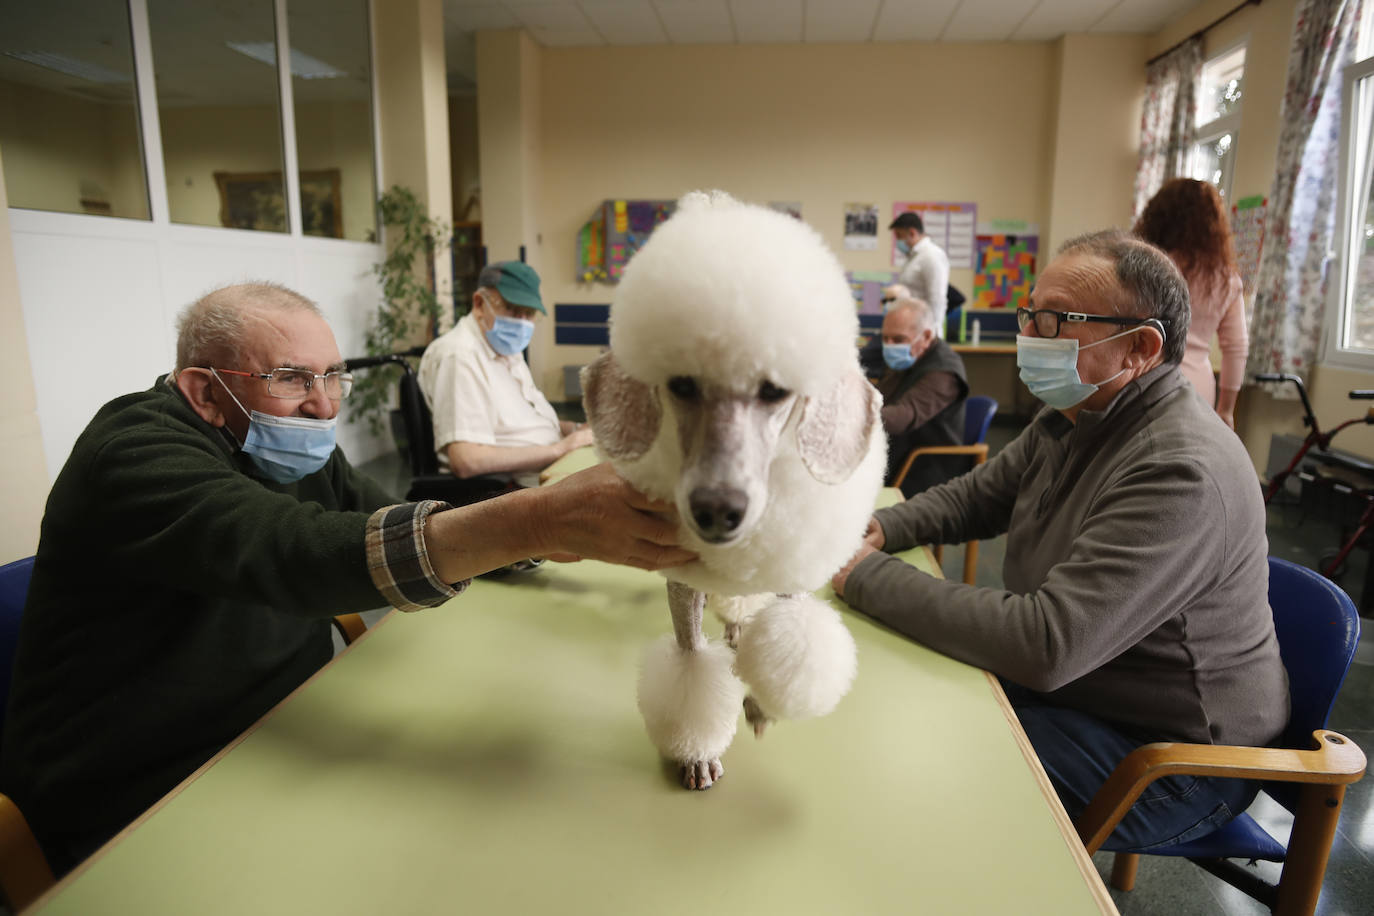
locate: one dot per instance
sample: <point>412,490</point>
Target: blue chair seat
<point>1240,838</point>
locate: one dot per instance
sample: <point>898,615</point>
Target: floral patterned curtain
<point>1168,119</point>
<point>1290,297</point>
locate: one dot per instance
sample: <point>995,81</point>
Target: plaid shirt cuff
<point>397,560</point>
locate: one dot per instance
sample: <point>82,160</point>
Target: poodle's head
<point>732,389</point>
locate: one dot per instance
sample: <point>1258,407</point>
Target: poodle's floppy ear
<point>623,412</point>
<point>833,435</point>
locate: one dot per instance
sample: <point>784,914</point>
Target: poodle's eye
<point>770,393</point>
<point>684,387</point>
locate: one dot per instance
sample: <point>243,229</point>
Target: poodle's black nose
<point>717,511</point>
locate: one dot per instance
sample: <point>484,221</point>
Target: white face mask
<point>1049,368</point>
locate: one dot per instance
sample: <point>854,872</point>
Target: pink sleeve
<point>1233,337</point>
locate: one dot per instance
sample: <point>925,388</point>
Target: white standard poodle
<point>732,389</point>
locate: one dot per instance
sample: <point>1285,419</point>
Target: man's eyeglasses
<point>297,383</point>
<point>1047,321</point>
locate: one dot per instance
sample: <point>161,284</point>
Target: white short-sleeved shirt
<point>926,274</point>
<point>477,395</point>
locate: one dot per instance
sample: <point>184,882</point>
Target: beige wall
<point>1096,117</point>
<point>412,98</point>
<point>1268,30</point>
<point>22,465</point>
<point>60,148</point>
<point>820,124</point>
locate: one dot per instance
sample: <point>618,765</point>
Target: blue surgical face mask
<point>904,247</point>
<point>898,356</point>
<point>509,336</point>
<point>285,449</point>
<point>1049,368</point>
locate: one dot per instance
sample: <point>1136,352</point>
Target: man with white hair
<point>199,539</point>
<point>923,391</point>
<point>1134,606</point>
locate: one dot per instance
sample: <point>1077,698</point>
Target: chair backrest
<point>419,427</point>
<point>1318,629</point>
<point>14,589</point>
<point>978,413</point>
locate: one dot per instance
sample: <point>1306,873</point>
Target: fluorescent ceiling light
<point>71,66</point>
<point>302,65</point>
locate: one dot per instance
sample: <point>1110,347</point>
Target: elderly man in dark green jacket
<point>199,539</point>
<point>1135,606</point>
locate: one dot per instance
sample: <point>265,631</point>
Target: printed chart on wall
<point>1005,273</point>
<point>1247,227</point>
<point>951,226</point>
<point>617,228</point>
<point>861,227</point>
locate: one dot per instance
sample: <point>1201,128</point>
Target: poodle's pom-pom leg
<point>733,610</point>
<point>798,659</point>
<point>690,700</point>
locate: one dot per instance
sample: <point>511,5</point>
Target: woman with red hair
<point>1188,220</point>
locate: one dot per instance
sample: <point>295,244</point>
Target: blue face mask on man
<point>285,449</point>
<point>1049,368</point>
<point>898,356</point>
<point>904,247</point>
<point>509,336</point>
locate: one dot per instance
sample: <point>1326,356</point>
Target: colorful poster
<point>1005,272</point>
<point>1247,228</point>
<point>617,228</point>
<point>867,287</point>
<point>861,227</point>
<point>952,226</point>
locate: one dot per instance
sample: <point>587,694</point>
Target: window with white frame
<point>1350,328</point>
<point>1218,118</point>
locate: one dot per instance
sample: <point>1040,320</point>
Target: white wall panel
<point>101,298</point>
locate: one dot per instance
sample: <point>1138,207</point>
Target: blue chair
<point>1318,630</point>
<point>978,413</point>
<point>24,873</point>
<point>14,588</point>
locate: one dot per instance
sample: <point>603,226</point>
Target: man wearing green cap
<point>489,418</point>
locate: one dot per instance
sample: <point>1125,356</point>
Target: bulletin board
<point>949,225</point>
<point>616,230</point>
<point>1247,228</point>
<point>1007,251</point>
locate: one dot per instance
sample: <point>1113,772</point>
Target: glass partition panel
<point>331,79</point>
<point>68,108</point>
<point>219,104</point>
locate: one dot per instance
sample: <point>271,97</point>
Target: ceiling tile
<point>986,20</point>
<point>767,20</point>
<point>625,22</point>
<point>696,21</point>
<point>1142,15</point>
<point>475,18</point>
<point>842,21</point>
<point>1053,18</point>
<point>913,20</point>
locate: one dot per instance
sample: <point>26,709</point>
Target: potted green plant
<point>408,314</point>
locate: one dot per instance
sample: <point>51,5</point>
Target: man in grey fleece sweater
<point>1135,606</point>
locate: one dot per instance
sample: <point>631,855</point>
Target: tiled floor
<point>1173,887</point>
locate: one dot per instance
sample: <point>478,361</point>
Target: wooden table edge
<point>1061,817</point>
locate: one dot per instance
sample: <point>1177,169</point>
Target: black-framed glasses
<point>297,383</point>
<point>1048,321</point>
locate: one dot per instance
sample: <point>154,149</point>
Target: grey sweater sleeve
<point>973,505</point>
<point>1127,572</point>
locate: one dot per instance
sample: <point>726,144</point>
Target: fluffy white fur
<point>729,294</point>
<point>797,658</point>
<point>690,701</point>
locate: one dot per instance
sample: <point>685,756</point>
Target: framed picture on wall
<point>256,200</point>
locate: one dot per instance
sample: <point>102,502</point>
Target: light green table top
<point>487,757</point>
<point>577,460</point>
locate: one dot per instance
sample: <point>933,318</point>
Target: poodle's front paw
<point>756,717</point>
<point>732,634</point>
<point>701,774</point>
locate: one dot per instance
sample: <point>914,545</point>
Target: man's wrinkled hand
<point>595,514</point>
<point>838,580</point>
